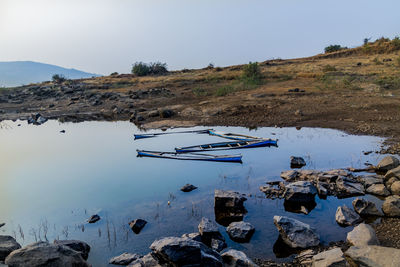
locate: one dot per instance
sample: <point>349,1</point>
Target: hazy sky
<point>104,36</point>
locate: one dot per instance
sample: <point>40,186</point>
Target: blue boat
<point>234,136</point>
<point>190,156</point>
<point>227,145</point>
<point>150,135</point>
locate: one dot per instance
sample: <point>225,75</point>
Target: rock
<point>94,218</point>
<point>322,191</point>
<point>62,131</point>
<point>240,231</point>
<point>36,119</point>
<point>395,187</point>
<point>304,258</point>
<point>330,258</point>
<point>391,206</point>
<point>44,254</point>
<point>79,246</point>
<point>228,206</point>
<point>365,208</point>
<point>188,188</point>
<point>387,163</point>
<point>166,113</point>
<point>369,180</point>
<point>298,113</point>
<point>178,251</point>
<point>145,261</point>
<point>393,173</point>
<point>297,162</point>
<point>208,231</point>
<point>296,234</point>
<point>2,224</point>
<point>362,235</point>
<point>137,225</point>
<point>193,236</point>
<point>41,120</point>
<point>346,216</point>
<point>124,259</point>
<point>301,191</point>
<point>289,175</point>
<point>218,245</point>
<point>237,258</point>
<point>347,187</point>
<point>378,189</point>
<point>7,245</point>
<point>372,256</point>
<point>273,189</point>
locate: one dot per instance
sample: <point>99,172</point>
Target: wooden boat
<point>234,136</point>
<point>227,145</point>
<point>190,156</point>
<point>149,135</point>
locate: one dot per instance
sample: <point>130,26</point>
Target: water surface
<point>51,182</point>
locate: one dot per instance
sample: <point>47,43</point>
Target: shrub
<point>58,78</point>
<point>114,74</point>
<point>199,91</point>
<point>143,69</point>
<point>333,48</point>
<point>227,89</point>
<point>252,71</point>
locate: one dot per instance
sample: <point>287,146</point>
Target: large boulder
<point>228,206</point>
<point>395,188</point>
<point>378,189</point>
<point>44,254</point>
<point>329,258</point>
<point>346,216</point>
<point>178,251</point>
<point>76,245</point>
<point>296,234</point>
<point>387,163</point>
<point>124,259</point>
<point>301,191</point>
<point>391,206</point>
<point>362,235</point>
<point>347,187</point>
<point>393,173</point>
<point>235,258</point>
<point>365,207</point>
<point>7,245</point>
<point>240,231</point>
<point>372,256</point>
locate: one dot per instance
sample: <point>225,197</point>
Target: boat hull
<point>191,156</point>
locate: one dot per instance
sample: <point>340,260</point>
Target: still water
<point>51,182</point>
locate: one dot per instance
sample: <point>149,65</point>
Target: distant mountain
<point>16,73</point>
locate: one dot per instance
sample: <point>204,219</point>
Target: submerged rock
<point>391,206</point>
<point>346,216</point>
<point>124,259</point>
<point>362,235</point>
<point>188,188</point>
<point>372,256</point>
<point>234,257</point>
<point>44,254</point>
<point>240,231</point>
<point>178,251</point>
<point>296,234</point>
<point>94,218</point>
<point>329,258</point>
<point>2,224</point>
<point>387,163</point>
<point>297,162</point>
<point>301,191</point>
<point>228,206</point>
<point>365,208</point>
<point>76,245</point>
<point>7,245</point>
<point>137,225</point>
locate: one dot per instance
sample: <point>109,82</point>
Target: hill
<point>16,73</point>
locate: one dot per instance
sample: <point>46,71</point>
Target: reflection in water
<point>52,182</point>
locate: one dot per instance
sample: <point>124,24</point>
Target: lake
<point>52,182</point>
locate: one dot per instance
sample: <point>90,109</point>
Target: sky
<point>104,36</point>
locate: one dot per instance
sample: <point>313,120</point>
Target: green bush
<point>144,69</point>
<point>199,91</point>
<point>252,71</point>
<point>334,48</point>
<point>223,91</point>
<point>58,78</point>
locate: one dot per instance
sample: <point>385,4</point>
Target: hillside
<point>16,73</point>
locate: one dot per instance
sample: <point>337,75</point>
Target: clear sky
<point>103,36</point>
